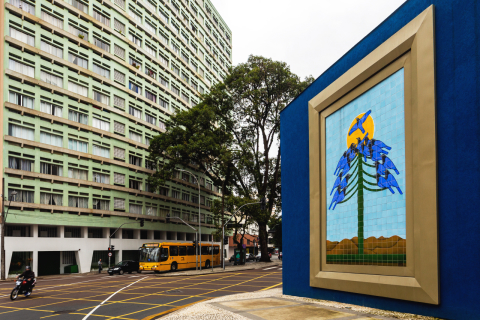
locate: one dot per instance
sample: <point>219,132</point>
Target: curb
<point>161,314</point>
<point>169,275</point>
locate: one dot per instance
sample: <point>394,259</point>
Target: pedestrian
<point>100,266</point>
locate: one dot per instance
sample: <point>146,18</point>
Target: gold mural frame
<point>411,48</point>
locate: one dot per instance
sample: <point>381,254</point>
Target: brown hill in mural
<point>372,245</point>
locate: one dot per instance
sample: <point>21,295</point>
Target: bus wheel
<point>207,264</point>
<point>174,266</point>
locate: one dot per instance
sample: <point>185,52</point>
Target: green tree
<point>233,136</point>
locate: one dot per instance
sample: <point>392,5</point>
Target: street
<point>134,296</point>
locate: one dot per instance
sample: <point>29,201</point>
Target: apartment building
<point>86,85</point>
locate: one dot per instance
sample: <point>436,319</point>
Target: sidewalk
<point>273,305</point>
<point>249,266</point>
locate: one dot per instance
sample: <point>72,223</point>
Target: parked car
<point>279,256</point>
<point>249,257</point>
<point>124,266</point>
<point>232,258</point>
<point>259,256</point>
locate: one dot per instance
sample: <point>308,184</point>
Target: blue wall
<point>457,28</point>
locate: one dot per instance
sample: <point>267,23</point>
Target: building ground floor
<point>65,249</point>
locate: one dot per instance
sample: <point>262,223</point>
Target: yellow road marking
<point>272,286</point>
<point>53,315</point>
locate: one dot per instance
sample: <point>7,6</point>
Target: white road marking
<point>269,268</point>
<point>88,315</point>
<point>280,269</point>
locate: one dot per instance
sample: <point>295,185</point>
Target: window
<point>175,194</point>
<point>101,18</point>
<point>163,103</point>
<point>190,250</point>
<point>161,124</point>
<point>78,89</point>
<point>135,39</point>
<point>119,102</point>
<point>77,202</point>
<point>134,184</point>
<point>21,68</point>
<point>77,145</point>
<point>150,28</point>
<point>120,3</point>
<point>135,88</point>
<point>51,199</point>
<point>47,47</point>
<point>127,234</point>
<point>135,112</point>
<point>51,109</point>
<point>118,127</point>
<point>22,36</point>
<point>137,161</point>
<point>100,97</point>
<point>173,250</point>
<point>101,204</point>
<point>95,233</point>
<point>51,79</point>
<point>119,52</point>
<point>57,22</point>
<point>79,5</point>
<point>25,6</point>
<point>101,151</point>
<point>175,69</point>
<point>163,15</point>
<point>118,178</point>
<point>49,168</point>
<point>118,76</point>
<point>151,211</point>
<point>175,48</point>
<point>176,90</point>
<point>21,132</point>
<point>104,72</point>
<point>21,196</point>
<point>81,62</point>
<point>20,99</point>
<point>119,203</point>
<point>77,174</point>
<point>135,136</point>
<point>150,96</point>
<point>101,178</point>
<point>150,119</point>
<point>182,251</point>
<point>119,153</point>
<point>101,44</point>
<point>151,51</point>
<point>163,82</point>
<point>185,196</point>
<point>20,164</point>
<point>133,208</point>
<point>77,117</point>
<point>78,32</point>
<point>101,124</point>
<point>117,25</point>
<point>52,139</point>
<point>73,232</point>
<point>163,60</point>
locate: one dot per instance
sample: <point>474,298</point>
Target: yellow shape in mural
<point>358,125</point>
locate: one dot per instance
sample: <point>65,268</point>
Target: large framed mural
<point>373,172</point>
<point>365,164</point>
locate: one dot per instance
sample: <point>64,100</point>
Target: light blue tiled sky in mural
<point>384,213</point>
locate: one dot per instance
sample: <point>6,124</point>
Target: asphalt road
<point>135,296</point>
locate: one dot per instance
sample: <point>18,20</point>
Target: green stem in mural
<point>360,204</point>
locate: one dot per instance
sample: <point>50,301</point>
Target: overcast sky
<point>308,35</point>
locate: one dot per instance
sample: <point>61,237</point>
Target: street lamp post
<point>4,219</point>
<point>223,226</point>
<point>110,238</point>
<point>199,216</point>
<point>196,253</point>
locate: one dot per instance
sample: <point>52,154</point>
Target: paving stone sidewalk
<point>272,304</point>
<point>249,266</point>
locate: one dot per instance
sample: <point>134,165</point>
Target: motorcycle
<point>21,287</point>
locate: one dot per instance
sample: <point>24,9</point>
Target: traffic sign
<point>244,246</point>
<point>109,254</point>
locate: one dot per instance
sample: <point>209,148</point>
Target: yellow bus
<point>173,256</point>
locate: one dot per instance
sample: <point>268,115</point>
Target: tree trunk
<point>262,232</point>
<point>223,222</point>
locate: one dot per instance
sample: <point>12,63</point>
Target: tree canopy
<point>233,135</point>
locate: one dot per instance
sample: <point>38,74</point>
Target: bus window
<point>191,251</point>
<point>173,250</point>
<point>205,250</point>
<point>163,254</point>
<point>216,250</point>
<point>210,250</point>
<point>182,251</point>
